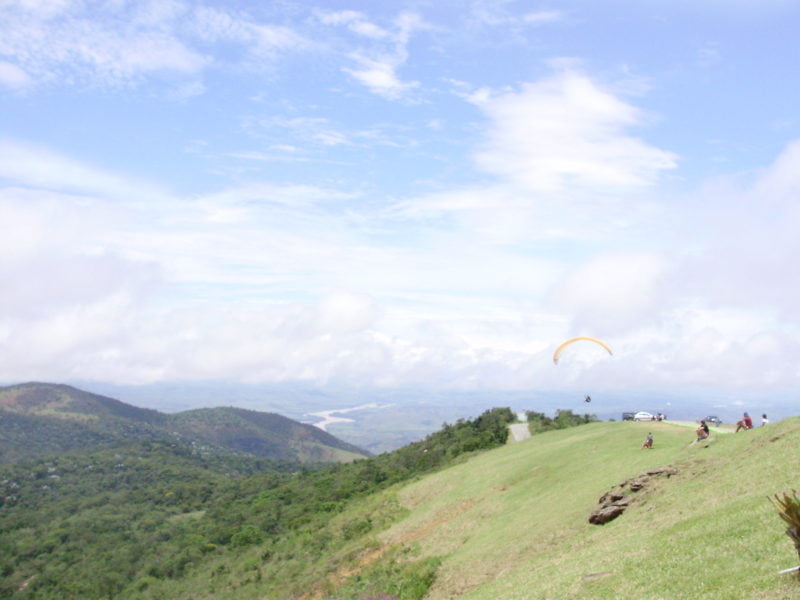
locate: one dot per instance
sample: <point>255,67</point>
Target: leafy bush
<point>789,510</point>
<point>539,422</point>
<point>396,577</point>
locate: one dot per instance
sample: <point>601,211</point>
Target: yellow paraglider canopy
<point>560,349</point>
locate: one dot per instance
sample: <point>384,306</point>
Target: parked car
<point>713,420</point>
<point>628,416</point>
<point>643,416</point>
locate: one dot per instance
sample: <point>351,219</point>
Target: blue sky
<point>401,193</point>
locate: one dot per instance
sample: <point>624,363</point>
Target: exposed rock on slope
<point>614,502</point>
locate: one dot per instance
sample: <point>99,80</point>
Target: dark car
<point>713,420</point>
<point>627,416</point>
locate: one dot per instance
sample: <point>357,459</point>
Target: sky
<point>429,193</point>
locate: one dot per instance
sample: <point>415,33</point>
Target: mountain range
<point>38,419</point>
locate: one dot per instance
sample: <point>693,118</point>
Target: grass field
<point>513,522</point>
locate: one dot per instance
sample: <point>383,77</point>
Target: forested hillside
<point>38,419</point>
<point>144,519</point>
<point>262,434</point>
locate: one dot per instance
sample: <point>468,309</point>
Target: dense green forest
<point>39,419</point>
<point>127,521</point>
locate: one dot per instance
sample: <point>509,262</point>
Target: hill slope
<point>37,419</point>
<point>67,402</point>
<point>159,520</point>
<point>262,434</point>
<point>508,523</point>
<point>512,523</point>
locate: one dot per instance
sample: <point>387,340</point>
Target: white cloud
<point>81,46</point>
<point>741,242</point>
<point>380,77</point>
<point>565,169</point>
<point>611,293</point>
<point>496,14</point>
<point>342,17</point>
<point>377,66</point>
<point>356,22</point>
<point>124,43</point>
<point>68,294</point>
<point>566,132</point>
<point>12,76</point>
<point>41,10</point>
<point>216,25</point>
<point>314,129</point>
<point>542,16</point>
<point>35,166</point>
<point>243,203</point>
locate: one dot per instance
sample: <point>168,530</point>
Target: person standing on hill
<point>648,443</point>
<point>745,423</point>
<point>764,420</point>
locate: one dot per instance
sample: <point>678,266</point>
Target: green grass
<point>512,523</point>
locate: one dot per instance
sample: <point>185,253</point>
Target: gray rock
<point>605,514</point>
<point>610,497</point>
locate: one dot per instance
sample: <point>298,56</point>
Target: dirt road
<point>519,431</point>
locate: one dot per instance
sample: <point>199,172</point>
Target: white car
<point>642,416</point>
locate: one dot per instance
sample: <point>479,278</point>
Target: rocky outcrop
<point>614,502</point>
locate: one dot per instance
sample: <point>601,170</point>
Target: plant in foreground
<point>789,511</point>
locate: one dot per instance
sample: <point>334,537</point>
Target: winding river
<point>328,418</point>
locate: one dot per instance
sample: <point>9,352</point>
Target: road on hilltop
<point>520,431</point>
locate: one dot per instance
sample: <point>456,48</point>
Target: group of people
<point>746,422</point>
<point>702,432</point>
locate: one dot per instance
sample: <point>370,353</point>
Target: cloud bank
<point>329,239</point>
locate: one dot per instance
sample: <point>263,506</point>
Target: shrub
<point>789,510</point>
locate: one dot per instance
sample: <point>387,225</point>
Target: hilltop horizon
<point>387,418</point>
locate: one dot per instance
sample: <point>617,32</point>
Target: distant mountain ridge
<point>65,401</point>
<point>44,418</point>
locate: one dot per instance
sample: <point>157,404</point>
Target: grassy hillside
<point>512,523</point>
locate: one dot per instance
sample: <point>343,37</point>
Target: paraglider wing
<point>561,348</point>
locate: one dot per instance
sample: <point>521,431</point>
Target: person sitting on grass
<point>745,423</point>
<point>702,432</point>
<point>648,443</point>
